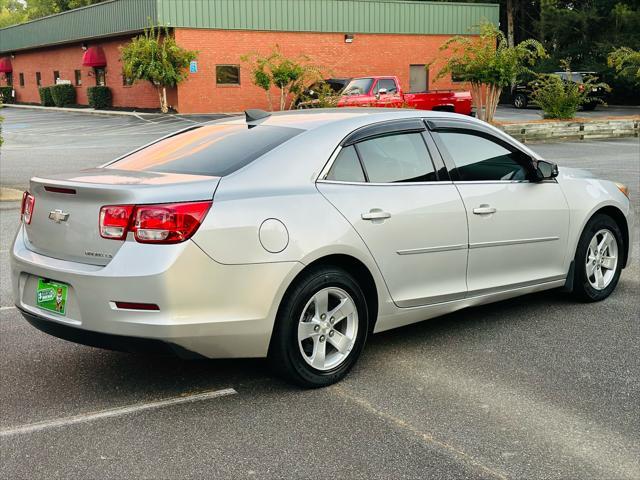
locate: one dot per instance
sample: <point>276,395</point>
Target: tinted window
<point>358,86</point>
<point>396,158</point>
<point>387,83</point>
<point>216,150</point>
<point>478,158</point>
<point>227,74</point>
<point>346,167</point>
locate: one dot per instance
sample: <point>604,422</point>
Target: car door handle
<point>484,210</point>
<point>375,214</point>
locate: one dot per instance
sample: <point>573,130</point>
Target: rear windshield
<point>215,150</point>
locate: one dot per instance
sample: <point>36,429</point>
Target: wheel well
<point>362,275</point>
<point>621,221</point>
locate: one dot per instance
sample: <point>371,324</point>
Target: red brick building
<point>345,37</point>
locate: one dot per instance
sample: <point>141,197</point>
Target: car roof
<point>348,117</point>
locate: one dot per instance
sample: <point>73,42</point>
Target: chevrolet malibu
<point>294,236</point>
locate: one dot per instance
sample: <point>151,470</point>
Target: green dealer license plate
<point>52,296</point>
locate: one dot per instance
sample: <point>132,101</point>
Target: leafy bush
<point>321,96</point>
<point>46,100</point>
<point>6,95</point>
<point>561,99</point>
<point>63,95</point>
<point>99,97</point>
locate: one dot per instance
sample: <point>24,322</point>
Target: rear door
<point>409,215</point>
<point>518,228</point>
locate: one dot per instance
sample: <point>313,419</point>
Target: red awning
<point>5,65</point>
<point>94,57</point>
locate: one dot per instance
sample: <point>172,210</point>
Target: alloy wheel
<point>328,328</point>
<point>602,259</point>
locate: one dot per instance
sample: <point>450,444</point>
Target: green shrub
<point>46,100</point>
<point>63,95</point>
<point>6,95</point>
<point>99,97</point>
<point>561,99</point>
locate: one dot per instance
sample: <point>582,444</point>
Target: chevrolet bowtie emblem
<point>58,216</point>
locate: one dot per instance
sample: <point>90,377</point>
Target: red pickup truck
<point>381,91</point>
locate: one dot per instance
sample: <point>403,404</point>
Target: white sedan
<point>294,236</point>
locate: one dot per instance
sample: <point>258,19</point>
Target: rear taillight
<point>114,221</point>
<point>163,223</point>
<point>26,210</point>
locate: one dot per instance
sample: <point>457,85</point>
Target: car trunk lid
<point>65,219</point>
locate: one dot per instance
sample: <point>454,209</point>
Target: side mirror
<point>545,170</point>
<point>383,91</point>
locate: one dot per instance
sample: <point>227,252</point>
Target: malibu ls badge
<point>58,215</point>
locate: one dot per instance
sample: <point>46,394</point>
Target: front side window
<point>227,74</point>
<point>214,150</point>
<point>358,86</point>
<point>346,167</point>
<point>388,84</point>
<point>477,158</point>
<point>396,158</point>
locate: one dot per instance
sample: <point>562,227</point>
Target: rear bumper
<point>107,341</point>
<point>210,309</point>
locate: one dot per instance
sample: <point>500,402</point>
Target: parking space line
<point>114,412</point>
<point>7,308</point>
<point>424,436</point>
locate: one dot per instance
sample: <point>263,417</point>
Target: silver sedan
<point>294,236</point>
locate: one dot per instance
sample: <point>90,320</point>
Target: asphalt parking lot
<point>534,387</point>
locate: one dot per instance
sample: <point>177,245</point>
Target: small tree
<point>489,64</point>
<point>626,62</point>
<point>289,75</point>
<point>156,57</point>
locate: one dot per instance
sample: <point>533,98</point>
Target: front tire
<point>321,328</point>
<point>598,260</point>
<point>588,107</point>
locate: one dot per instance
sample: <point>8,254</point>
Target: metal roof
<point>114,17</point>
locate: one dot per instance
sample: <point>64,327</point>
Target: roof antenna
<point>255,115</point>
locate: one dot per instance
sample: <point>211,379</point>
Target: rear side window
<point>397,158</point>
<point>215,150</point>
<point>346,167</point>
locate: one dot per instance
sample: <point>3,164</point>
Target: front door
<point>413,224</point>
<point>518,229</point>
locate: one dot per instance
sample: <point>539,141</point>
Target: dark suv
<point>522,92</point>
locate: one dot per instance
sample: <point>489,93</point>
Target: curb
<point>77,110</point>
<point>10,195</point>
<point>572,129</point>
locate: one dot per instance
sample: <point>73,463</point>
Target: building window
<point>101,77</point>
<point>456,78</point>
<point>38,79</point>
<point>127,81</point>
<point>9,77</point>
<point>228,74</point>
<point>78,75</point>
<point>56,76</point>
<point>21,79</point>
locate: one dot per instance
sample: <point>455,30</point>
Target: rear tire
<point>598,260</point>
<point>323,309</point>
<point>520,100</point>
